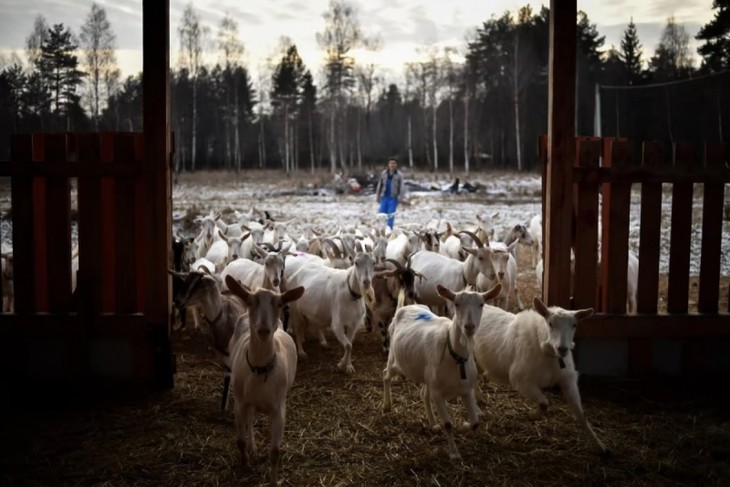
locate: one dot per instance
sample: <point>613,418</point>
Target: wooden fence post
<point>647,293</point>
<point>680,233</point>
<point>586,223</point>
<point>712,208</point>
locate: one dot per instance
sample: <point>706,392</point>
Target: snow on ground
<point>516,197</point>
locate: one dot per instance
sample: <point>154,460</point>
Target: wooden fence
<point>97,335</point>
<point>670,337</point>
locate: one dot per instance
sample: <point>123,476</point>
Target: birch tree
<point>99,61</point>
<point>231,53</point>
<point>340,36</point>
<point>192,39</point>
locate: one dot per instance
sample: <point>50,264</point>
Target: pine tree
<point>716,34</point>
<point>630,53</point>
<point>58,66</point>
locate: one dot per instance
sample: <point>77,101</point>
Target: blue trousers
<point>388,205</point>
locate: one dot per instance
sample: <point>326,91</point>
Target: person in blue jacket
<point>390,190</point>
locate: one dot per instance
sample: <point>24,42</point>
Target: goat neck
<point>356,290</point>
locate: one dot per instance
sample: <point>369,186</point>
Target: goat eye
<point>550,325</point>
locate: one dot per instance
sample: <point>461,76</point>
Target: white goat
<point>335,298</point>
<point>505,271</point>
<point>450,273</point>
<point>264,364</point>
<point>268,275</point>
<point>418,351</point>
<point>402,245</point>
<point>535,228</point>
<point>531,351</point>
<point>223,315</point>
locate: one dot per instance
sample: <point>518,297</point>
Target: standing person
<point>390,190</point>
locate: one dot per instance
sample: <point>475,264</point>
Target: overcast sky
<point>403,26</point>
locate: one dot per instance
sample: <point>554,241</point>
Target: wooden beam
<point>561,151</point>
<point>655,326</point>
<point>158,225</point>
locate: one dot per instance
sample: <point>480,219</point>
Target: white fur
<point>525,350</point>
<point>419,352</point>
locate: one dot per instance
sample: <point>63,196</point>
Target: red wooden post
<point>561,151</point>
<point>615,230</point>
<point>89,280</point>
<point>125,211</point>
<point>58,230</point>
<point>158,222</point>
<point>712,208</point>
<point>21,150</point>
<point>586,220</point>
<point>650,233</point>
<point>108,226</point>
<point>680,233</point>
<point>40,222</point>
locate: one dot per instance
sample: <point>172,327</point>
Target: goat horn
<point>335,248</point>
<point>396,263</point>
<point>473,237</point>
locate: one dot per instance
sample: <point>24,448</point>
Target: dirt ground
<point>660,432</point>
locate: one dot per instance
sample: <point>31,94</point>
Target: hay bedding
<point>336,433</point>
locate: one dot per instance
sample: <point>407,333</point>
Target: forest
<point>464,108</point>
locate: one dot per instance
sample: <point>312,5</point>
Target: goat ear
<point>583,314</point>
<point>222,235</point>
<point>492,293</point>
<point>541,308</point>
<point>237,288</point>
<point>445,293</point>
<point>512,245</point>
<point>285,250</point>
<point>292,294</point>
<point>469,250</point>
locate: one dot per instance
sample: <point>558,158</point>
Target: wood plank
<point>40,222</point>
<point>58,230</point>
<point>640,355</point>
<point>70,168</point>
<point>125,209</point>
<point>21,194</point>
<point>561,151</point>
<point>108,226</point>
<point>158,224</point>
<point>712,216</point>
<point>586,236</point>
<point>89,279</point>
<point>680,234</point>
<point>647,294</point>
<point>657,175</point>
<point>661,325</point>
<point>615,231</point>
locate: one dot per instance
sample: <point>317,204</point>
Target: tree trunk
<point>516,86</point>
<point>466,133</point>
<point>433,136</point>
<point>195,124</point>
<point>333,150</point>
<point>451,134</point>
<point>359,142</point>
<point>311,141</point>
<point>410,142</point>
<point>236,135</point>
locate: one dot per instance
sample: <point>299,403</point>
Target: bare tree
<point>450,72</point>
<point>192,40</point>
<point>34,41</point>
<point>231,53</point>
<point>341,34</point>
<point>99,61</point>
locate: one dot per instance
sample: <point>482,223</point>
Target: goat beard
<point>369,297</point>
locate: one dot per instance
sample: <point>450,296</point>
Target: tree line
<point>481,105</point>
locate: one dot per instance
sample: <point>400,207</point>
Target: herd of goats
<point>259,293</point>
